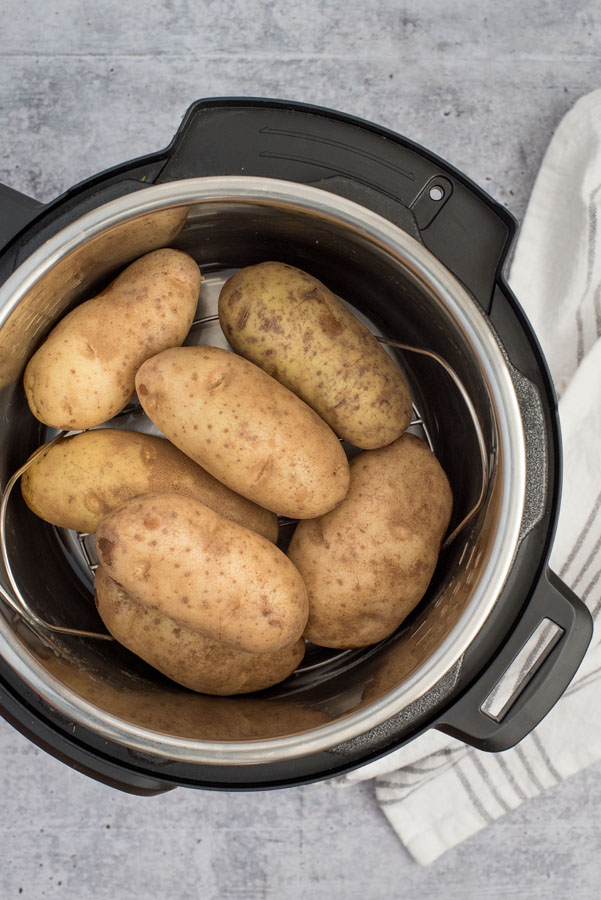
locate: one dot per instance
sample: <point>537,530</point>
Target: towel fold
<point>436,791</point>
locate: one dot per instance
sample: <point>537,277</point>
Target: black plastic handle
<point>456,220</point>
<point>16,212</point>
<point>466,720</point>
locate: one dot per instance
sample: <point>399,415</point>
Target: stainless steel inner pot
<point>404,294</point>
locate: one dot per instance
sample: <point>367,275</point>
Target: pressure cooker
<point>417,251</point>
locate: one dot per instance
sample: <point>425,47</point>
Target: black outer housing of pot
<point>471,237</point>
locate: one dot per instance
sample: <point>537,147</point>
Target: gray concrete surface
<point>86,85</point>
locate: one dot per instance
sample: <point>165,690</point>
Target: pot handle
<point>542,685</point>
<point>16,211</point>
<point>460,224</point>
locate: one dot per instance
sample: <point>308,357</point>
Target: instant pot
<point>417,250</point>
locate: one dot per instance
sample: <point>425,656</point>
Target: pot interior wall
<point>388,294</point>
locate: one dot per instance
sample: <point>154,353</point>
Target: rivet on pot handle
<point>543,685</point>
<point>16,211</point>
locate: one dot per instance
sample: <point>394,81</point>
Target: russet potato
<point>245,428</point>
<point>298,331</point>
<point>368,562</point>
<point>204,571</point>
<point>182,653</point>
<point>83,373</point>
<point>79,479</point>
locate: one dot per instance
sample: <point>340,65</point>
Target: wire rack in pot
<point>17,602</point>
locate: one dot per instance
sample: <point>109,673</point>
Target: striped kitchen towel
<point>436,791</point>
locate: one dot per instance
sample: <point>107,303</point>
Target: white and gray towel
<point>436,791</point>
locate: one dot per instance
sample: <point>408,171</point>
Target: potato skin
<point>297,330</point>
<point>368,563</point>
<point>81,478</point>
<point>183,654</point>
<point>203,571</point>
<point>245,428</point>
<point>71,277</point>
<point>83,374</point>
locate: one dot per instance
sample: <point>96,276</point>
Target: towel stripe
<point>589,679</point>
<point>485,775</point>
<point>529,770</point>
<point>419,769</point>
<point>405,789</point>
<point>449,751</point>
<point>581,537</point>
<point>597,302</point>
<point>585,593</point>
<point>521,793</point>
<point>546,759</point>
<point>590,262</point>
<point>402,796</point>
<point>390,782</point>
<point>579,336</point>
<point>469,790</point>
<point>586,564</point>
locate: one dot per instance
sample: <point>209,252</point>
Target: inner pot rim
<point>468,318</point>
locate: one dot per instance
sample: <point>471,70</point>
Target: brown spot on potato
<point>151,522</point>
<point>315,534</point>
<point>105,548</point>
<point>397,519</point>
<point>242,318</point>
<point>330,325</point>
<point>142,390</point>
<point>271,323</point>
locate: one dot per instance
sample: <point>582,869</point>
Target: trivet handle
<point>541,686</point>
